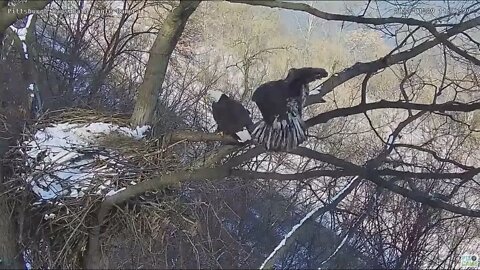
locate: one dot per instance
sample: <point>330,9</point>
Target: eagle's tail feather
<point>244,135</point>
<point>281,135</point>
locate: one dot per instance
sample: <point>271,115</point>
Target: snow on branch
<point>351,230</point>
<point>289,238</point>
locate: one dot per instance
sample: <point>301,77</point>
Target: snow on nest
<point>64,160</point>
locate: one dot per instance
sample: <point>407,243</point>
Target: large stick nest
<point>54,227</point>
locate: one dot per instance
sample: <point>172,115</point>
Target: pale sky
<point>424,10</point>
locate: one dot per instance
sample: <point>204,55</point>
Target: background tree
<point>389,175</point>
<point>13,111</point>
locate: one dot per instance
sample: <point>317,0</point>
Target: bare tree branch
<point>296,231</point>
<point>384,104</point>
<point>373,66</point>
<point>196,136</point>
<point>293,176</point>
<point>160,53</point>
<point>435,155</point>
<point>361,68</point>
<point>341,173</point>
<point>332,16</point>
<point>94,258</point>
<point>371,175</point>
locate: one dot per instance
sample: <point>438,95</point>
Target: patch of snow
<point>61,166</point>
<point>344,240</point>
<point>49,216</point>
<point>304,219</point>
<point>113,192</point>
<point>25,51</point>
<point>29,21</point>
<point>390,141</point>
<point>22,34</point>
<point>28,263</point>
<point>314,92</point>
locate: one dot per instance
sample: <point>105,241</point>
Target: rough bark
<point>9,251</point>
<point>8,244</point>
<point>157,64</point>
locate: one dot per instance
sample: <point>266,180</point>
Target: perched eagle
<point>281,104</point>
<point>231,117</point>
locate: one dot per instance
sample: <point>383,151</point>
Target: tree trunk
<point>9,251</point>
<point>8,15</point>
<point>160,52</point>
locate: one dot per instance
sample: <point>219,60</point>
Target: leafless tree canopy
<point>388,178</point>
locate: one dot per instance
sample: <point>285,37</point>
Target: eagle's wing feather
<point>271,99</point>
<point>217,115</point>
<point>242,115</point>
<point>281,104</point>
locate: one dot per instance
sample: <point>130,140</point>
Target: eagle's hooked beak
<point>309,74</point>
<point>321,73</point>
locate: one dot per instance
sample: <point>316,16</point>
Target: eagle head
<point>306,75</point>
<point>214,95</point>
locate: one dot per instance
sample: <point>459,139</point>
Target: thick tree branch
<point>384,104</point>
<point>94,258</point>
<point>197,136</point>
<point>159,183</point>
<point>370,67</point>
<point>435,155</point>
<point>176,178</point>
<point>294,176</point>
<point>374,177</point>
<point>297,231</point>
<point>332,16</point>
<point>342,173</point>
<point>157,64</point>
<point>428,175</point>
<point>8,15</point>
<point>373,66</point>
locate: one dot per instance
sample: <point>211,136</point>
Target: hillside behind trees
<point>109,156</point>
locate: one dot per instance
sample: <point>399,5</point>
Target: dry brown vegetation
<point>397,124</point>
